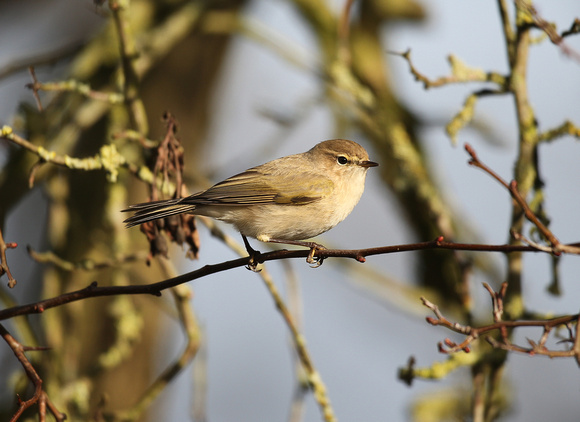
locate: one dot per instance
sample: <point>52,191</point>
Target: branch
<point>550,29</point>
<point>108,159</point>
<point>556,247</point>
<point>182,297</point>
<point>94,290</point>
<point>574,29</point>
<point>34,87</point>
<point>129,55</point>
<point>312,378</point>
<point>438,370</point>
<point>41,59</point>
<point>566,128</point>
<point>460,73</point>
<point>4,269</point>
<point>473,333</point>
<point>85,264</point>
<point>39,395</point>
<point>76,86</point>
<point>465,115</point>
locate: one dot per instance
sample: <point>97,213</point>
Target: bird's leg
<point>314,261</point>
<point>254,254</point>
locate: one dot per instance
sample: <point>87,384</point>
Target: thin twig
<point>550,29</point>
<point>577,341</point>
<point>556,247</point>
<point>39,395</point>
<point>460,73</point>
<point>565,129</point>
<point>34,88</point>
<point>4,269</point>
<point>574,28</point>
<point>473,333</point>
<point>74,86</point>
<point>85,264</point>
<point>41,59</point>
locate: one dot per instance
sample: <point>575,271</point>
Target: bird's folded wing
<point>256,188</point>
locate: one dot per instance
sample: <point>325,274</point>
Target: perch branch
<point>94,290</point>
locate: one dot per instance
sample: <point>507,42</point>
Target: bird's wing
<point>254,187</point>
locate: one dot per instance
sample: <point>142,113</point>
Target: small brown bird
<point>286,200</point>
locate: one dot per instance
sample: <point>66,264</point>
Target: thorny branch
<point>504,342</point>
<point>39,395</point>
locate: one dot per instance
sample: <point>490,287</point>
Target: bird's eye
<point>342,160</point>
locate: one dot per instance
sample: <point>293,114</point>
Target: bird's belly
<point>284,222</point>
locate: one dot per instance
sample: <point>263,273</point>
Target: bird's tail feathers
<point>148,211</point>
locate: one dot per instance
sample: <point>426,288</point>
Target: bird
<point>286,200</point>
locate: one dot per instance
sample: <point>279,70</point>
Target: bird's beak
<point>368,164</point>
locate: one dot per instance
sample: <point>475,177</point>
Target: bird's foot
<point>315,261</point>
<point>255,255</point>
<point>254,262</point>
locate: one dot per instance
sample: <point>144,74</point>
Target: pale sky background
<point>358,342</point>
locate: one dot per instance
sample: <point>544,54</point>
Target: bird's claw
<point>253,267</point>
<point>315,261</point>
<point>253,262</point>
